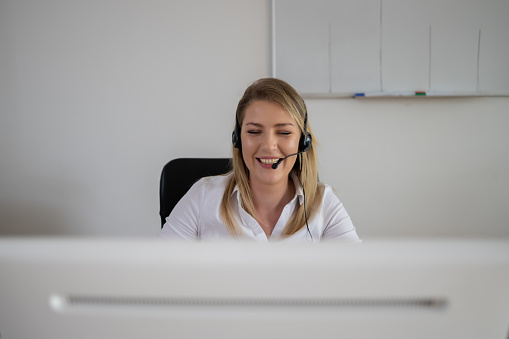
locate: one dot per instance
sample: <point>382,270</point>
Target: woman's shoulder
<point>327,192</point>
<point>206,187</point>
<point>323,187</point>
<point>213,182</point>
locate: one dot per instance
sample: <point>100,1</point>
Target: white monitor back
<point>112,288</point>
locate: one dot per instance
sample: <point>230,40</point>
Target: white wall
<point>96,96</point>
<point>418,166</point>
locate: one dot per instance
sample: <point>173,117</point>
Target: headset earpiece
<point>236,135</point>
<point>306,140</point>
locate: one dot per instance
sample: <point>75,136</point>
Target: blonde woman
<point>273,192</point>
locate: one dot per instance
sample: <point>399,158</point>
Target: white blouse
<point>196,216</point>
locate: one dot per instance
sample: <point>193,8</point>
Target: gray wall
<point>96,96</point>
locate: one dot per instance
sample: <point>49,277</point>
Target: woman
<point>273,191</point>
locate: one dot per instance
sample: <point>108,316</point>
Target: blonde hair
<point>281,93</point>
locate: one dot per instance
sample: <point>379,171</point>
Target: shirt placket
<point>251,223</point>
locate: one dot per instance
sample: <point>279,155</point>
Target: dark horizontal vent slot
<point>434,303</point>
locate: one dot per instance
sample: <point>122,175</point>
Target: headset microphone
<point>276,164</point>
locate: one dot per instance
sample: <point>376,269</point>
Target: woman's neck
<point>269,202</point>
<point>267,196</point>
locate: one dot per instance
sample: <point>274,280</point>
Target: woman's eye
<point>285,133</point>
<point>253,132</point>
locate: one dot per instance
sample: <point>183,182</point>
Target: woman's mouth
<point>266,161</point>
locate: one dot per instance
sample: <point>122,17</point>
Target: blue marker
<point>359,95</point>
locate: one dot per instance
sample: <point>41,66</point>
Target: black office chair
<point>180,174</point>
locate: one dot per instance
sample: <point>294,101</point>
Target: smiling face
<point>268,133</point>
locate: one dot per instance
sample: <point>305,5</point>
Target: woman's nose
<point>269,142</point>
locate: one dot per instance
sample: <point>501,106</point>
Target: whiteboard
<point>392,47</point>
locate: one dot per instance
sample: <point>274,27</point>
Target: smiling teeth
<point>268,161</point>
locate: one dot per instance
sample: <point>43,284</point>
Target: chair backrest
<point>180,174</point>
